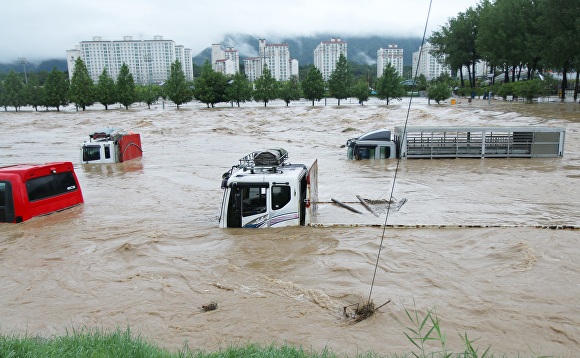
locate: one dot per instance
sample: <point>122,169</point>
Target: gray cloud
<point>46,29</point>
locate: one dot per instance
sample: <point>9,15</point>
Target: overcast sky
<point>45,29</point>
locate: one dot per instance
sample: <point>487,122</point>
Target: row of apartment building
<point>277,58</point>
<point>150,61</point>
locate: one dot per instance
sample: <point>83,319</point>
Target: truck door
<point>311,201</point>
<point>247,206</point>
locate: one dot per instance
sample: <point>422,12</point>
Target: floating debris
<point>378,201</point>
<point>345,206</point>
<point>362,311</point>
<point>366,204</point>
<point>210,307</point>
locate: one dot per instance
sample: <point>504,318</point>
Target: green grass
<point>420,330</point>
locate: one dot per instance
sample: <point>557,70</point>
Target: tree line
<point>521,39</point>
<point>54,90</point>
<point>210,88</point>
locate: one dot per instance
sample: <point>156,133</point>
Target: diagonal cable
<point>399,157</point>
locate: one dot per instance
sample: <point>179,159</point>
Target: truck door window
<point>385,152</point>
<point>254,200</point>
<point>281,196</point>
<point>107,152</point>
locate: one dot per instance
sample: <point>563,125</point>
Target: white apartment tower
<point>225,61</point>
<point>326,55</point>
<point>253,68</point>
<point>149,61</point>
<point>277,58</point>
<point>393,55</point>
<point>427,65</point>
<point>294,70</point>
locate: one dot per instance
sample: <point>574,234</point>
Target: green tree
<point>290,90</point>
<point>148,94</point>
<point>239,89</point>
<point>106,89</point>
<point>421,82</point>
<point>82,88</point>
<point>210,87</point>
<point>389,85</point>
<point>439,91</point>
<point>313,85</point>
<point>176,87</point>
<point>14,91</point>
<point>3,101</point>
<point>55,90</point>
<point>126,94</point>
<point>529,89</point>
<point>340,81</point>
<point>266,87</point>
<point>504,37</point>
<point>559,20</point>
<point>34,91</point>
<point>455,43</point>
<point>362,91</point>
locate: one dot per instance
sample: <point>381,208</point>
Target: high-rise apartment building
<point>225,61</point>
<point>393,55</point>
<point>276,57</point>
<point>253,68</point>
<point>424,63</point>
<point>327,53</point>
<point>149,61</point>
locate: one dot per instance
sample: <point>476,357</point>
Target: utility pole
<point>22,61</point>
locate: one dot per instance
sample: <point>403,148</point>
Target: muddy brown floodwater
<point>145,250</point>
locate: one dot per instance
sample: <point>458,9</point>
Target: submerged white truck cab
<point>265,190</point>
<point>372,145</point>
<point>111,146</point>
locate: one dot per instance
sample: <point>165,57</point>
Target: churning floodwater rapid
<point>145,251</point>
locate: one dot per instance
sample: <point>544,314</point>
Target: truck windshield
<point>91,152</point>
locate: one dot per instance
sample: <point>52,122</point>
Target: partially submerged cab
<point>111,146</point>
<point>29,190</point>
<point>373,145</point>
<point>265,190</point>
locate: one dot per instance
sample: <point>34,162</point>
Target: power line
<point>399,159</point>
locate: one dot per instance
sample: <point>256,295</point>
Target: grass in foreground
<point>421,331</point>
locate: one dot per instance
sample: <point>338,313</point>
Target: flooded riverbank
<point>145,249</point>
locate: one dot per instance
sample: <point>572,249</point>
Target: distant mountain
<point>46,65</point>
<point>360,49</point>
